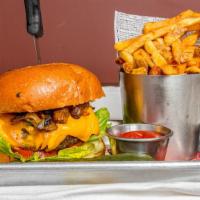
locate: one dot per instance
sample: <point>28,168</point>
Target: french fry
<point>126,57</point>
<point>164,50</point>
<point>140,70</point>
<point>192,70</point>
<point>187,54</point>
<point>189,21</point>
<point>147,58</point>
<point>181,68</point>
<point>127,67</point>
<point>159,43</point>
<point>195,27</point>
<point>194,62</point>
<point>136,44</point>
<point>174,34</point>
<point>196,14</point>
<point>142,59</point>
<point>190,40</point>
<point>169,70</point>
<point>197,51</point>
<point>157,58</point>
<point>151,26</point>
<point>177,50</point>
<point>155,71</point>
<point>150,47</point>
<point>119,46</point>
<point>167,54</point>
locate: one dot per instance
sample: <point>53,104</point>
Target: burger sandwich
<point>46,114</point>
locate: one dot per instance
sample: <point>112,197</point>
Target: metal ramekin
<point>154,147</point>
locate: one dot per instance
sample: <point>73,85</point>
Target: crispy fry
<point>177,50</point>
<point>194,62</point>
<point>157,58</point>
<point>127,67</point>
<point>189,21</point>
<point>193,70</point>
<point>174,34</point>
<point>119,46</point>
<point>197,51</point>
<point>136,44</point>
<point>142,59</point>
<point>169,70</point>
<point>187,54</point>
<point>150,26</point>
<point>126,57</point>
<point>181,68</point>
<point>140,70</point>
<point>159,43</point>
<point>195,27</point>
<point>164,50</point>
<point>155,71</point>
<point>181,53</point>
<point>190,40</point>
<point>147,58</point>
<point>167,54</point>
<point>150,47</point>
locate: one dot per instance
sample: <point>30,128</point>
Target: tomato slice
<point>140,134</point>
<point>26,153</point>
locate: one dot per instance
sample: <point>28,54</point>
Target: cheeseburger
<point>45,114</point>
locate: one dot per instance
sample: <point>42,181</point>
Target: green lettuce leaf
<point>71,153</point>
<point>77,152</point>
<point>103,116</point>
<point>5,148</point>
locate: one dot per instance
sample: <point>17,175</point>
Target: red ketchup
<point>139,134</point>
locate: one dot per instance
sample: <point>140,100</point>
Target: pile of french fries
<point>167,47</point>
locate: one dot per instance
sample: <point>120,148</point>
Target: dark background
<point>75,31</point>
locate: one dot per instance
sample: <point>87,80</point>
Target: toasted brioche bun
<point>47,86</point>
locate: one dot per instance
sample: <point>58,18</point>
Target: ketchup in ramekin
<point>139,134</point>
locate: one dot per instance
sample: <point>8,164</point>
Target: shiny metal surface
<point>173,101</point>
<point>155,147</point>
<point>97,172</point>
<point>37,49</point>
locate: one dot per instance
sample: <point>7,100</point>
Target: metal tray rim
<point>167,165</point>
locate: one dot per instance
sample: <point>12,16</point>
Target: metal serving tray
<point>59,173</point>
<point>97,172</point>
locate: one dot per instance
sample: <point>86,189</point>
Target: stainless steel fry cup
<point>173,101</point>
<point>154,147</point>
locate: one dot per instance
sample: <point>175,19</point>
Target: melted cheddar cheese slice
<point>81,128</point>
